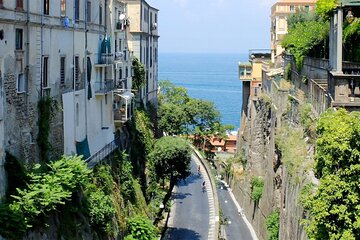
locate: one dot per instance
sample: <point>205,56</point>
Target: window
<point>62,70</point>
<point>155,18</point>
<point>76,69</point>
<point>77,114</point>
<point>45,82</point>
<point>151,59</point>
<point>88,11</point>
<point>19,39</point>
<point>21,85</point>
<point>126,72</point>
<point>77,10</point>
<point>63,8</point>
<point>120,74</point>
<point>19,4</point>
<point>307,8</point>
<point>292,8</point>
<point>100,14</point>
<point>46,7</point>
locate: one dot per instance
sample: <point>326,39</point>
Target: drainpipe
<point>85,65</point>
<point>27,54</point>
<point>42,51</point>
<point>73,58</point>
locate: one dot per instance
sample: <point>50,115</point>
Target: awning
<point>127,95</point>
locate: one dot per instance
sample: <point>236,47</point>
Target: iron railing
<point>104,153</point>
<point>104,86</point>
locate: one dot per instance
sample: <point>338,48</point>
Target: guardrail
<point>103,153</point>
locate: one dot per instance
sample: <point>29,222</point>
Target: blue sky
<point>216,26</point>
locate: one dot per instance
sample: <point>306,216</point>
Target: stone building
<point>75,52</point>
<point>144,43</point>
<point>279,12</point>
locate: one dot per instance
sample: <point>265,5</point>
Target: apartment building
<point>74,51</point>
<point>144,43</point>
<point>279,12</point>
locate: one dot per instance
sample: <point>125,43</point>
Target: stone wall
<point>20,118</point>
<point>281,191</point>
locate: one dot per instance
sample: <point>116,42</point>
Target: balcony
<point>122,106</point>
<point>104,87</point>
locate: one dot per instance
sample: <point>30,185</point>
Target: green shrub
<point>101,211</point>
<point>288,72</point>
<point>45,191</point>
<point>257,186</point>
<point>140,228</point>
<point>272,225</point>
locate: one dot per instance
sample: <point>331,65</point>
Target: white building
<point>144,43</point>
<point>74,51</point>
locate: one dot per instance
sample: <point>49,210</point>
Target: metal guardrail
<point>103,153</point>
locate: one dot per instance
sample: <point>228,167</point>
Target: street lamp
<point>350,16</point>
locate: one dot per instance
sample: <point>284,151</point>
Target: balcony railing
<point>106,58</point>
<point>104,87</point>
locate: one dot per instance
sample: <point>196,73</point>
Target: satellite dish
<point>122,16</point>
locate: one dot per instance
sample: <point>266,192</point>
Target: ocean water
<point>212,77</point>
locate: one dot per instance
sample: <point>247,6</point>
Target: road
<point>189,217</point>
<point>236,229</point>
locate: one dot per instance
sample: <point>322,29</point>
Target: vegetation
<point>180,114</point>
<point>293,148</point>
<point>138,79</point>
<point>324,8</point>
<point>334,207</point>
<point>303,37</point>
<point>139,228</point>
<point>47,107</point>
<point>43,194</point>
<point>307,120</point>
<point>288,72</point>
<point>257,186</point>
<point>273,225</point>
<point>170,160</point>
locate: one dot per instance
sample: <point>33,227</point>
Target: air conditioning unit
<point>154,26</point>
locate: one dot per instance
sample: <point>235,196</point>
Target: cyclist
<point>198,170</point>
<point>203,185</point>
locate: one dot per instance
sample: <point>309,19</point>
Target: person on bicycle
<point>203,185</point>
<point>198,170</point>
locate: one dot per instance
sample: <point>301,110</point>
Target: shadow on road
<point>180,195</point>
<point>189,180</point>
<point>181,234</point>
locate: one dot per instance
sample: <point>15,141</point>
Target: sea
<point>208,76</point>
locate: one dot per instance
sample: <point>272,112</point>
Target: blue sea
<point>212,77</point>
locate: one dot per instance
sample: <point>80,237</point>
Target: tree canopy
<point>181,114</point>
<point>335,206</point>
<point>303,37</point>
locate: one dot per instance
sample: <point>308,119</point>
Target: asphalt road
<point>189,217</point>
<point>235,229</point>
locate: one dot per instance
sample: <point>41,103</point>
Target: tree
<point>173,118</point>
<point>335,206</point>
<point>325,7</point>
<point>138,80</point>
<point>303,37</point>
<point>170,159</point>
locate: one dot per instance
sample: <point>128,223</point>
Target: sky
<point>213,26</point>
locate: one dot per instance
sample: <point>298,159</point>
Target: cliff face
<point>283,180</point>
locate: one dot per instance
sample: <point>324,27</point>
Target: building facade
<point>75,53</point>
<point>279,12</point>
<point>144,43</point>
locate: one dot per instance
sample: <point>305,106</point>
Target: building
<point>74,52</point>
<point>279,12</point>
<point>144,43</point>
<point>250,73</point>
